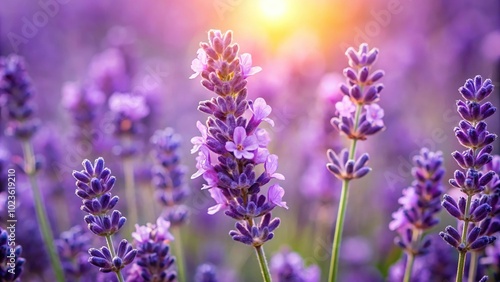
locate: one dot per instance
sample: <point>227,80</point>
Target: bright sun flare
<point>273,9</point>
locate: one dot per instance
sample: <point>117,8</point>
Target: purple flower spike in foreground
<point>357,117</point>
<point>94,184</point>
<point>233,143</point>
<point>420,205</point>
<point>476,216</point>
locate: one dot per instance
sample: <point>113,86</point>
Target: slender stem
<point>41,213</point>
<point>339,226</point>
<point>113,254</point>
<point>409,267</point>
<point>264,268</point>
<point>473,265</point>
<point>462,254</point>
<point>128,170</point>
<point>338,231</point>
<point>179,253</point>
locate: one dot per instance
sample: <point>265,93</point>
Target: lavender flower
<point>154,262</point>
<point>72,247</point>
<point>436,265</point>
<point>94,184</point>
<point>11,262</point>
<point>128,110</point>
<point>81,102</point>
<point>16,85</point>
<point>168,176</point>
<point>206,273</point>
<point>358,116</point>
<point>492,259</point>
<point>231,146</point>
<point>288,266</point>
<point>473,135</point>
<point>420,205</point>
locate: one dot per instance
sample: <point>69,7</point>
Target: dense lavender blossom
<point>473,135</point>
<point>11,262</point>
<point>231,146</point>
<point>16,85</point>
<point>81,102</point>
<point>73,248</point>
<point>420,205</point>
<point>288,266</point>
<point>153,262</point>
<point>94,184</point>
<point>168,176</point>
<point>358,115</point>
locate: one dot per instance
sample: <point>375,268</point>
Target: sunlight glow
<point>273,9</point>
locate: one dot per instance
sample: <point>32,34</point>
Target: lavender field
<point>263,140</point>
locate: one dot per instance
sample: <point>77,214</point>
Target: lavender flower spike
<point>11,262</point>
<point>357,117</point>
<point>154,262</point>
<point>474,216</point>
<point>94,184</point>
<point>231,146</point>
<point>420,205</point>
<point>16,86</point>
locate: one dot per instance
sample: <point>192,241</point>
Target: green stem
<point>339,226</point>
<point>264,268</point>
<point>462,254</point>
<point>473,265</point>
<point>179,253</point>
<point>409,267</point>
<point>113,254</point>
<point>334,265</point>
<point>128,171</point>
<point>41,214</point>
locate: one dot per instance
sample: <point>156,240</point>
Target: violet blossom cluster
<point>287,266</point>
<point>154,261</point>
<point>232,143</point>
<point>16,86</point>
<point>420,203</point>
<point>82,103</point>
<point>94,184</point>
<point>472,134</point>
<point>11,262</point>
<point>358,114</point>
<point>127,110</point>
<point>168,176</point>
<point>72,247</point>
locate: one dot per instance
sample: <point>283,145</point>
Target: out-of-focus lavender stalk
<point>16,84</point>
<point>171,190</point>
<point>128,110</point>
<point>420,205</point>
<point>94,184</point>
<point>473,135</point>
<point>231,146</point>
<point>361,94</point>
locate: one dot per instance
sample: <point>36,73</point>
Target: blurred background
<point>427,50</point>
